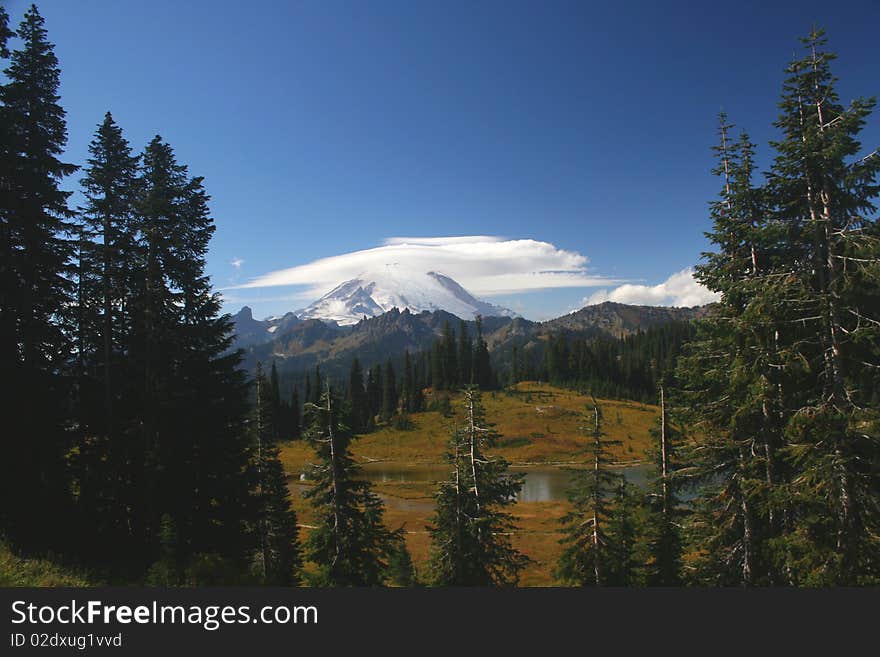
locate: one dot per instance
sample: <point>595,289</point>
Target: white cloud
<point>485,265</point>
<point>236,263</point>
<point>441,241</point>
<point>680,289</point>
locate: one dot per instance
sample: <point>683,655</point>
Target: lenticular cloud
<point>485,265</point>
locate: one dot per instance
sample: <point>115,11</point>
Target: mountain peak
<point>375,292</point>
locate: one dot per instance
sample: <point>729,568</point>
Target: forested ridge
<point>629,367</point>
<point>138,449</point>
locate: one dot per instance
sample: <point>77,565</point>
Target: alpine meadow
<point>433,411</point>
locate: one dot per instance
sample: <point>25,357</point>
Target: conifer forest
<point>139,448</point>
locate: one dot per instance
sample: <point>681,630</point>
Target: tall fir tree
<point>591,551</point>
<point>465,356</point>
<point>357,398</point>
<point>295,415</point>
<point>665,515</point>
<point>110,187</point>
<point>193,446</point>
<point>5,34</point>
<point>725,377</point>
<point>278,536</point>
<point>109,261</point>
<point>470,530</point>
<point>278,414</point>
<point>774,381</point>
<point>482,375</point>
<point>407,388</point>
<point>389,392</point>
<point>823,190</point>
<point>401,571</point>
<point>515,369</point>
<point>350,545</point>
<point>624,565</point>
<point>437,378</point>
<point>449,361</point>
<point>375,383</point>
<point>36,289</point>
<point>318,386</point>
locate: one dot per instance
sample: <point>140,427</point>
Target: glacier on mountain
<point>376,292</point>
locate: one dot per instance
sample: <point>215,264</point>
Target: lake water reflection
<point>542,483</point>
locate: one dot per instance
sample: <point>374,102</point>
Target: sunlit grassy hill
<point>539,425</point>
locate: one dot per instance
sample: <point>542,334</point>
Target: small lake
<point>543,483</point>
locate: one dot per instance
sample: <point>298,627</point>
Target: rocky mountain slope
<point>376,292</point>
<point>297,345</point>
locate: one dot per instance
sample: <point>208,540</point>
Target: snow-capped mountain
<point>376,292</point>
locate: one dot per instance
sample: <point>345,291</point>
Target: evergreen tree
<point>191,444</point>
<point>773,382</point>
<point>166,571</point>
<point>470,530</point>
<point>438,380</point>
<point>280,560</point>
<point>425,377</point>
<point>350,544</point>
<point>731,359</point>
<point>408,393</point>
<point>357,398</point>
<point>624,531</point>
<point>465,356</point>
<point>109,260</point>
<point>664,542</point>
<point>449,361</point>
<point>36,291</point>
<point>295,424</point>
<point>514,367</point>
<point>824,192</point>
<point>318,386</point>
<point>389,392</point>
<point>277,408</point>
<point>110,189</point>
<point>556,359</point>
<point>401,571</point>
<point>5,33</point>
<point>375,383</point>
<point>482,369</point>
<point>590,550</point>
<point>312,395</point>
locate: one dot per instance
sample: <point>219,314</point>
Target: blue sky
<point>328,127</point>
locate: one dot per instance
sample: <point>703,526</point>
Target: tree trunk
<point>748,539</point>
<point>472,435</point>
<point>664,458</point>
<point>334,476</point>
<point>597,446</point>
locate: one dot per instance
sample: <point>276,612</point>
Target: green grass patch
<point>20,571</point>
<point>516,442</point>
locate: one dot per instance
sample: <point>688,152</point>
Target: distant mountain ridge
<point>297,345</point>
<point>620,319</point>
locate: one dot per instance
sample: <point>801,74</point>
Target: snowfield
<point>376,292</point>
